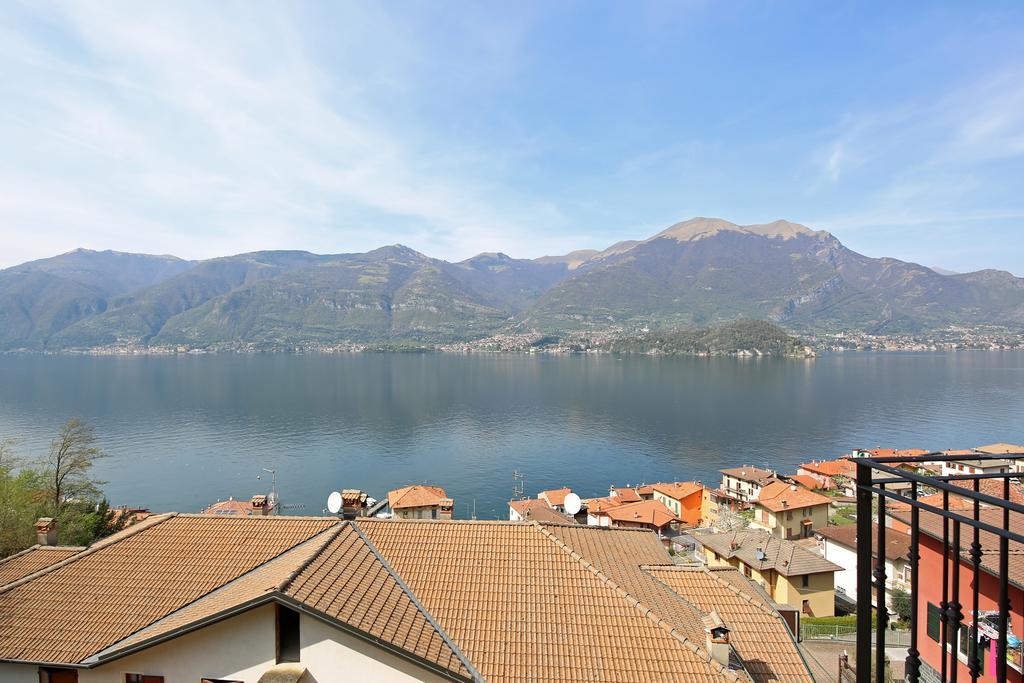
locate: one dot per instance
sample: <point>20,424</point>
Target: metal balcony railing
<point>877,479</point>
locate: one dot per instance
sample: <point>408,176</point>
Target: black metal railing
<point>882,479</point>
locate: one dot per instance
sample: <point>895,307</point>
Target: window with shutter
<point>933,622</point>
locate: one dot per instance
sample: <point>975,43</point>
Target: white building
<point>188,598</point>
<point>839,544</point>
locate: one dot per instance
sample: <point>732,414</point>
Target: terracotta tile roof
<point>242,508</point>
<point>978,462</point>
<point>758,633</point>
<point>897,544</point>
<point>1001,449</point>
<point>806,480</point>
<point>781,496</point>
<point>596,506</point>
<point>831,468</point>
<point>955,503</point>
<point>784,556</point>
<point>534,509</point>
<point>555,496</point>
<point>645,489</point>
<point>573,620</point>
<point>894,452</point>
<point>488,600</point>
<point>261,581</point>
<point>416,496</point>
<point>173,562</point>
<point>626,494</point>
<point>33,559</point>
<point>650,512</point>
<point>679,489</point>
<point>751,474</point>
<point>348,582</point>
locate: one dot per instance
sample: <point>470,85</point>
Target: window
<point>806,609</point>
<point>805,580</point>
<point>58,675</point>
<point>934,624</point>
<point>789,515</point>
<point>142,678</point>
<point>287,635</point>
<point>433,513</point>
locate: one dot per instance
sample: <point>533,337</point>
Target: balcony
<point>965,530</point>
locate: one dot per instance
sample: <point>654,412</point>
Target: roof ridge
<point>473,673</point>
<point>95,547</point>
<point>331,534</point>
<point>644,609</point>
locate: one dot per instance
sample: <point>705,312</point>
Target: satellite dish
<point>334,502</point>
<point>573,503</point>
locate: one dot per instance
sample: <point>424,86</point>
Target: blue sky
<point>458,127</point>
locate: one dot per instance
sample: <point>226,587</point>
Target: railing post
<point>1004,595</point>
<point>913,654</point>
<point>881,612</point>
<point>864,482</point>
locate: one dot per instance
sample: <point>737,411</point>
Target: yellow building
<point>789,573</point>
<point>790,511</point>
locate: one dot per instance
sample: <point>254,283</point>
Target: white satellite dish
<point>573,503</point>
<point>334,502</point>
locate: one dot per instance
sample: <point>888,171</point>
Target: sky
<point>212,128</point>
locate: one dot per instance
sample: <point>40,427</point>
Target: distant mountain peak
<point>702,227</point>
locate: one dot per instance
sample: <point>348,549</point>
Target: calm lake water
<point>183,432</point>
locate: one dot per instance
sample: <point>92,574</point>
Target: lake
<point>185,431</point>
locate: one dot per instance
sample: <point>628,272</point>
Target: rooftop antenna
<point>474,508</point>
<point>517,484</point>
<point>272,501</point>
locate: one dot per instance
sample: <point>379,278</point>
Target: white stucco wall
<point>332,656</point>
<point>19,673</point>
<point>846,580</point>
<point>240,648</point>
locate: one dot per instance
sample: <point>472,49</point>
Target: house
<point>1014,450</point>
<point>807,481</point>
<point>420,502</point>
<point>536,510</point>
<point>961,462</point>
<point>644,514</point>
<point>625,494</point>
<point>788,572</point>
<point>597,509</point>
<point>839,544</point>
<point>990,487</point>
<point>831,474</point>
<point>187,598</point>
<point>257,506</point>
<point>745,483</point>
<point>715,503</point>
<point>555,498</point>
<point>790,511</point>
<point>930,597</point>
<point>684,499</point>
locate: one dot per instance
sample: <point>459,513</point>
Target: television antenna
<point>517,484</point>
<point>272,498</point>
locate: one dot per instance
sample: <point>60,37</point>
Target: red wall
<point>929,589</point>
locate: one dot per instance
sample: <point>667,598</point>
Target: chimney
<point>717,638</point>
<point>46,531</point>
<point>259,505</point>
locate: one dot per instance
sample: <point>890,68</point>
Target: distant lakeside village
<point>608,341</point>
<point>747,579</point>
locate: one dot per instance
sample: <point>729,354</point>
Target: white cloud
<point>178,121</point>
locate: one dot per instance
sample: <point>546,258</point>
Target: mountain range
<point>696,273</point>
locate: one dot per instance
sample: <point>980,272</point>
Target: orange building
<point>683,498</point>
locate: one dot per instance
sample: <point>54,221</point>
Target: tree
<point>72,455</point>
<point>901,605</point>
<point>730,520</point>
